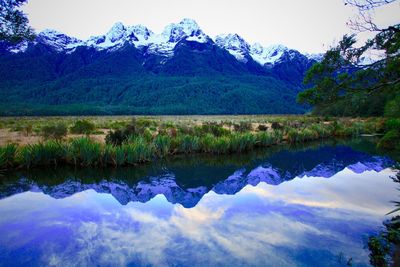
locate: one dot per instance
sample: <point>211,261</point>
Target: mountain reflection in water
<point>302,206</point>
<point>187,180</point>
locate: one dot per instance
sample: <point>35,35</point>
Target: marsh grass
<point>7,156</point>
<point>143,140</point>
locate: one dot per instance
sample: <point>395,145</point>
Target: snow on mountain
<point>18,48</point>
<point>140,36</point>
<point>57,40</point>
<point>119,34</point>
<point>234,44</point>
<point>165,42</point>
<point>175,32</point>
<point>317,57</point>
<point>267,55</point>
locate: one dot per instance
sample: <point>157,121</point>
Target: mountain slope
<point>131,70</point>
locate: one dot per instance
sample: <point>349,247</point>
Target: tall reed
<point>8,156</point>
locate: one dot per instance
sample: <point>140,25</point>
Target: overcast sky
<point>306,25</point>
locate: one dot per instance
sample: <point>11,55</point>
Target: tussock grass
<point>143,140</point>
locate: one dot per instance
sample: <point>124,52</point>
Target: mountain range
<point>132,70</point>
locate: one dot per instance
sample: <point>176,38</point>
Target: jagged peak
<point>164,43</point>
<point>116,32</point>
<point>140,31</point>
<point>50,32</point>
<point>232,40</point>
<point>174,32</point>
<point>117,26</point>
<point>58,40</point>
<point>257,48</point>
<point>189,23</point>
<point>234,44</point>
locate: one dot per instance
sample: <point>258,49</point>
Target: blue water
<point>312,206</point>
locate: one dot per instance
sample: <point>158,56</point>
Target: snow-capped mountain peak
<point>116,32</point>
<point>58,40</point>
<point>317,57</point>
<point>163,44</point>
<point>267,55</point>
<point>140,31</point>
<point>256,48</point>
<point>176,32</point>
<point>234,44</point>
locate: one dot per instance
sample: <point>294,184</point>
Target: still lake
<point>313,205</point>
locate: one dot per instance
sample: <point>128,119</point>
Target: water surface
<point>307,206</point>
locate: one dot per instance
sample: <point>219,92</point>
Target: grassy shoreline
<point>145,140</point>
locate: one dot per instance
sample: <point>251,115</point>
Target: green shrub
<point>276,126</point>
<point>221,145</point>
<point>392,108</point>
<point>120,156</point>
<point>206,143</point>
<point>211,128</point>
<point>119,136</point>
<point>42,154</point>
<point>392,124</point>
<point>85,152</point>
<point>262,128</point>
<point>57,131</point>
<point>293,136</point>
<point>109,155</point>
<point>265,139</point>
<point>162,144</point>
<point>242,127</point>
<point>138,150</point>
<point>82,127</point>
<point>115,138</point>
<point>308,134</point>
<point>242,142</point>
<point>321,129</point>
<point>390,141</point>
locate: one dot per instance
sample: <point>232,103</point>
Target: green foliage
<point>276,125</point>
<point>7,156</point>
<point>143,94</point>
<point>392,107</point>
<point>190,144</point>
<point>143,145</point>
<point>266,139</point>
<point>116,137</point>
<point>134,128</point>
<point>242,142</point>
<point>82,127</point>
<point>56,131</point>
<point>162,144</point>
<point>339,85</point>
<point>243,126</point>
<point>384,246</point>
<point>14,25</point>
<point>120,156</point>
<point>138,150</point>
<point>43,154</point>
<point>392,124</point>
<point>390,141</point>
<point>212,128</point>
<point>378,251</point>
<point>85,152</point>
